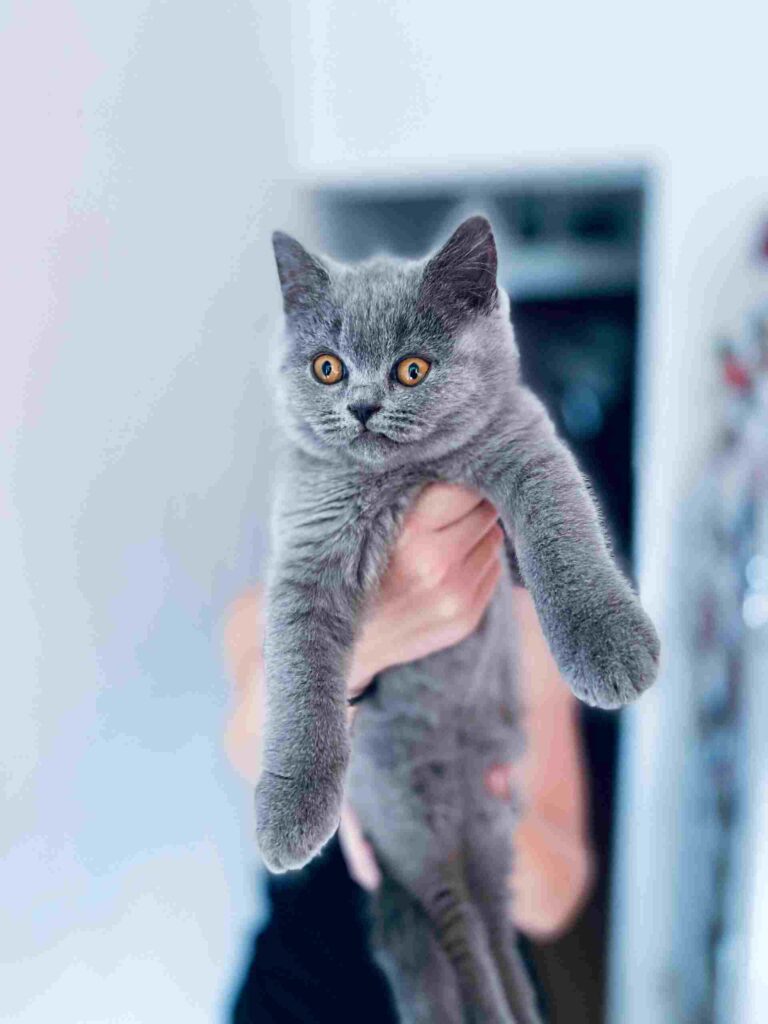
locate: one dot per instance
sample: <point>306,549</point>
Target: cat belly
<point>423,741</point>
<point>422,744</point>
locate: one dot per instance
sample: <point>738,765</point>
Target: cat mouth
<point>372,437</point>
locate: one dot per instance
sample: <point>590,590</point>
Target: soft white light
<point>755,610</point>
<point>757,572</point>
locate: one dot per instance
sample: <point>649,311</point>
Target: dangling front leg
<point>604,643</point>
<point>309,631</point>
<point>329,559</point>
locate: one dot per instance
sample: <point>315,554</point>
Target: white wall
<point>143,147</point>
<point>393,87</point>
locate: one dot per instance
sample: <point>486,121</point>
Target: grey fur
<point>423,742</point>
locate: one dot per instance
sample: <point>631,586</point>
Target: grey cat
<point>394,374</point>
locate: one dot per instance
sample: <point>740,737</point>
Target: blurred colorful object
<point>729,597</point>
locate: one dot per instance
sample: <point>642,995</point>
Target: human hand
<point>441,575</point>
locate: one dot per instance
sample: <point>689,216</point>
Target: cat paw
<point>295,818</point>
<point>617,656</point>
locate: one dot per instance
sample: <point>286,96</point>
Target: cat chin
<point>368,439</point>
<point>371,448</point>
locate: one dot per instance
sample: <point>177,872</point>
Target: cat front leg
<point>604,643</point>
<point>325,568</point>
<point>309,634</point>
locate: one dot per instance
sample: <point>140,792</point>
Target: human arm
<point>554,860</point>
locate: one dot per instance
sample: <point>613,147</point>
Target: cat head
<point>393,361</point>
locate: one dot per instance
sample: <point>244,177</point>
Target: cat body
<point>393,375</point>
<point>422,744</point>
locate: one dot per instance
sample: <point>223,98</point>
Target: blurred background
<point>149,148</point>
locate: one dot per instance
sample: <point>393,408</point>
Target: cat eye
<point>412,370</point>
<point>327,368</point>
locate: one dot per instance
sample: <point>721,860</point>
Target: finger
<point>485,590</point>
<point>459,538</point>
<point>498,781</point>
<point>483,555</point>
<point>438,505</point>
<point>358,852</point>
<point>466,593</point>
<point>457,553</point>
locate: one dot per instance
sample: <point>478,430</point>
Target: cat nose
<point>362,411</point>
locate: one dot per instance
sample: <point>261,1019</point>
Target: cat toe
<point>619,662</point>
<point>291,826</point>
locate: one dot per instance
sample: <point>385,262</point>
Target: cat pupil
<point>413,371</point>
<point>327,368</point>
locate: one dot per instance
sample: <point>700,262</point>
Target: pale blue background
<point>146,139</point>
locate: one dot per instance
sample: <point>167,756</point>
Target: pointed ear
<point>303,278</point>
<point>460,279</point>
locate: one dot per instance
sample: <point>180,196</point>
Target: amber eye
<point>327,369</point>
<point>412,370</point>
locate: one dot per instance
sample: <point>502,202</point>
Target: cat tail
<point>419,972</point>
<point>445,972</point>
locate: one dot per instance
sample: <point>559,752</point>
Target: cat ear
<point>460,279</point>
<point>303,278</point>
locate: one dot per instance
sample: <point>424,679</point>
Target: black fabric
<point>311,964</point>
